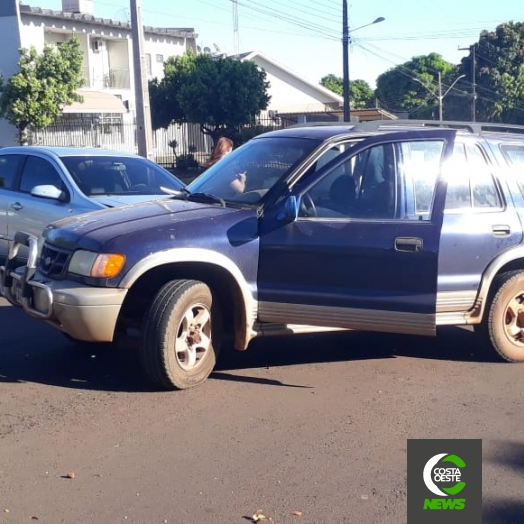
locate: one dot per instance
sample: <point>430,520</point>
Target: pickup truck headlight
<point>96,265</point>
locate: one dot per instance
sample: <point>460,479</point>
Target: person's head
<point>223,146</point>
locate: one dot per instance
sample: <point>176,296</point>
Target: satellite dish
<point>207,50</point>
<point>217,49</point>
<point>199,49</point>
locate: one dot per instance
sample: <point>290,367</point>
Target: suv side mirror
<point>290,211</point>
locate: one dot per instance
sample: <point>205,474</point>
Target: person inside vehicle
<point>223,147</point>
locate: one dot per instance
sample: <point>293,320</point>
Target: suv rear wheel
<point>181,335</point>
<point>504,321</point>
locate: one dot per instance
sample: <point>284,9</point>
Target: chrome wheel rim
<point>193,341</point>
<point>514,320</point>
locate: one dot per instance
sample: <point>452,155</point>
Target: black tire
<point>168,323</point>
<point>504,318</point>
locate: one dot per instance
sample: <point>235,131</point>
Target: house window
<point>159,59</point>
<point>148,64</point>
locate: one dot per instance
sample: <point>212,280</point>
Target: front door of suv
<point>364,254</point>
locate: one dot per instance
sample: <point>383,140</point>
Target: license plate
<point>17,285</point>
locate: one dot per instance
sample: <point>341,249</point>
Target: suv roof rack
<point>472,127</point>
<point>377,125</point>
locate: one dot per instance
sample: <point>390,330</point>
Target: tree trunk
<point>23,135</point>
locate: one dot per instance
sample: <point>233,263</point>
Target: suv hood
<point>122,200</point>
<point>99,226</point>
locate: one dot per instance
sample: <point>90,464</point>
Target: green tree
<point>333,83</point>
<point>218,93</point>
<point>44,84</point>
<point>361,95</point>
<point>499,74</point>
<point>413,86</point>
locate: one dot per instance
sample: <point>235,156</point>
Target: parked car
<point>39,185</point>
<point>396,228</point>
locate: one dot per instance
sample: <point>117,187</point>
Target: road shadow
<point>32,351</point>
<point>451,344</point>
<point>508,455</point>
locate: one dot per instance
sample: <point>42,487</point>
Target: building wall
<point>10,31</point>
<point>163,47</point>
<point>289,94</point>
<point>107,67</point>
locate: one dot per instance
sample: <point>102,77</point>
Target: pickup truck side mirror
<point>289,212</point>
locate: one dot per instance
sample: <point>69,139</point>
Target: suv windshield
<point>250,171</point>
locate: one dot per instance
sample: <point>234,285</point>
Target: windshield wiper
<point>206,198</point>
<point>182,192</point>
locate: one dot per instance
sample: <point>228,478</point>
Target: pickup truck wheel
<point>505,317</point>
<point>181,335</point>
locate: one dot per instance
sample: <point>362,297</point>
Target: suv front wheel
<point>504,320</point>
<point>181,335</point>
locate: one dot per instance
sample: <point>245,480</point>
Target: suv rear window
<point>514,153</point>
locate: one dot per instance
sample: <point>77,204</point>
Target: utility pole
<point>472,50</point>
<point>345,56</point>
<point>236,45</point>
<point>439,96</point>
<point>142,104</point>
<point>345,60</point>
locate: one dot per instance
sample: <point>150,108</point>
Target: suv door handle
<point>501,230</point>
<point>409,244</point>
<point>17,206</point>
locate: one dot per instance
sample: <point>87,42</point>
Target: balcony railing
<point>117,79</point>
<point>112,79</point>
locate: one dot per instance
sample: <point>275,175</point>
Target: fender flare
<point>475,315</point>
<point>211,258</point>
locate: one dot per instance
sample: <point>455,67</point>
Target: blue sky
<point>305,35</point>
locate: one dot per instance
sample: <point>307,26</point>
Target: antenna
<point>235,27</point>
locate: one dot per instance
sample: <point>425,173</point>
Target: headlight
<point>96,265</point>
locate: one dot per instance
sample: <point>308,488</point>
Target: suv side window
<point>322,189</point>
<point>9,167</point>
<point>38,172</point>
<point>363,186</point>
<point>471,185</point>
<point>377,183</point>
<point>421,162</point>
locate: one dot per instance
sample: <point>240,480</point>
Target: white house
<point>296,99</point>
<point>291,93</point>
<point>108,55</point>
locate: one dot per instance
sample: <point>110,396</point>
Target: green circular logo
<point>433,476</point>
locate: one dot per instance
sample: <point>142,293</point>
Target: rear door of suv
<point>373,263</point>
<point>480,222</point>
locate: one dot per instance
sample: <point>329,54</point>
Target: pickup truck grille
<point>53,261</point>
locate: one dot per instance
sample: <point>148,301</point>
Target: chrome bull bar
<point>16,284</point>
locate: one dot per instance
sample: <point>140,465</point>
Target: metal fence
<point>178,146</point>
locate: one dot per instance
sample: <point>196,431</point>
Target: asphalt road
<point>316,425</point>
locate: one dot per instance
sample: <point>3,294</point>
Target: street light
<point>439,96</point>
<point>345,54</point>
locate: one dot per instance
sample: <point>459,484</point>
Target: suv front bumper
<point>84,312</point>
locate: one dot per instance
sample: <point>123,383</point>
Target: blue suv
<point>396,227</point>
